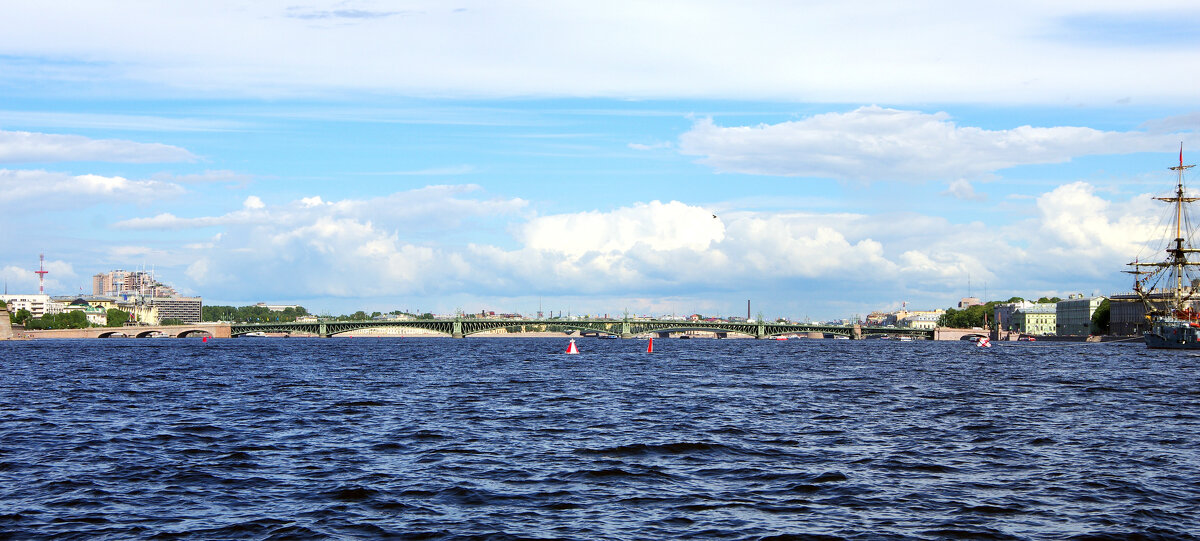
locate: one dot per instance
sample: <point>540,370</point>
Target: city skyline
<point>821,160</point>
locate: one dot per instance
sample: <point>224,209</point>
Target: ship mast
<point>1177,262</point>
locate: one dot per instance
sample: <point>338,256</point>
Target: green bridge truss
<point>459,328</point>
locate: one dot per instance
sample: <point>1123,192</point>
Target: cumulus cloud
<point>876,143</point>
<point>1075,223</point>
<point>1073,238</point>
<point>660,226</point>
<point>20,146</point>
<point>48,187</point>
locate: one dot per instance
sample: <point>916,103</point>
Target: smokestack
<point>747,309</point>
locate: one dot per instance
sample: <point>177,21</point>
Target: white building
<point>38,305</point>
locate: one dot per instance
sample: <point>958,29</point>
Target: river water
<point>509,438</point>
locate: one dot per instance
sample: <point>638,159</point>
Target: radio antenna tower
<point>41,272</point>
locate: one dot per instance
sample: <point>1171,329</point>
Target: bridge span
<point>461,328</point>
<point>624,328</point>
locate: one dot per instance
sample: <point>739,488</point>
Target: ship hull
<point>1173,335</point>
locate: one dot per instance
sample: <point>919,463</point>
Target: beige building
<point>1039,319</point>
<point>918,319</point>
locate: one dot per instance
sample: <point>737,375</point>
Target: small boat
<point>779,338</point>
<point>608,337</point>
<point>906,339</point>
<point>255,334</point>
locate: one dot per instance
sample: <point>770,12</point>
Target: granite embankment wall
<point>6,332</point>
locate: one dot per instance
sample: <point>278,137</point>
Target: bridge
<point>216,330</point>
<point>624,328</point>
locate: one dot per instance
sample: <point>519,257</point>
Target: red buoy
<point>571,349</point>
<point>650,346</point>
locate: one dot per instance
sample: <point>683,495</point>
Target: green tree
<point>1044,300</point>
<point>3,305</point>
<point>21,317</point>
<point>74,319</point>
<point>117,318</point>
<point>1101,318</point>
<point>426,315</point>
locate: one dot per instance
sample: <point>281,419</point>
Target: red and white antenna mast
<point>41,272</point>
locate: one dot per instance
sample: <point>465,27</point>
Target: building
<point>126,284</point>
<point>967,302</point>
<point>93,300</point>
<point>1002,314</point>
<point>926,321</point>
<point>185,309</point>
<point>1127,312</point>
<point>1075,315</point>
<point>918,319</point>
<point>140,313</point>
<point>95,315</point>
<point>37,305</point>
<point>1036,319</point>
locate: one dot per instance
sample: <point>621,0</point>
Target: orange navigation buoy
<point>571,349</point>
<point>650,346</point>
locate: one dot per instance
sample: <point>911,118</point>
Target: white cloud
<point>20,146</point>
<point>961,189</point>
<point>862,52</point>
<point>427,210</point>
<point>1075,224</point>
<point>52,188</point>
<point>875,143</point>
<point>656,225</point>
<point>356,249</point>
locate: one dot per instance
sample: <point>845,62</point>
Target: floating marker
<point>571,349</point>
<point>650,346</point>
<point>205,339</point>
<point>984,342</point>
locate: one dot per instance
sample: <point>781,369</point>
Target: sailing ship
<point>1167,288</point>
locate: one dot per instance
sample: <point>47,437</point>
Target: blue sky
<point>493,155</point>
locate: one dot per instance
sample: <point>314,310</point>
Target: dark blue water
<point>508,438</point>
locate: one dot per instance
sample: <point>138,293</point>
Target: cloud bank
<point>877,143</point>
<point>29,147</point>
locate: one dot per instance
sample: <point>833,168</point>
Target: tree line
<point>250,314</point>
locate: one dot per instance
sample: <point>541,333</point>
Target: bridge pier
<point>856,332</point>
<point>456,330</point>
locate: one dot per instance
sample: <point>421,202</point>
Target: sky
<point>820,159</point>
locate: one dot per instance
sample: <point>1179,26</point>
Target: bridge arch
<point>112,334</point>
